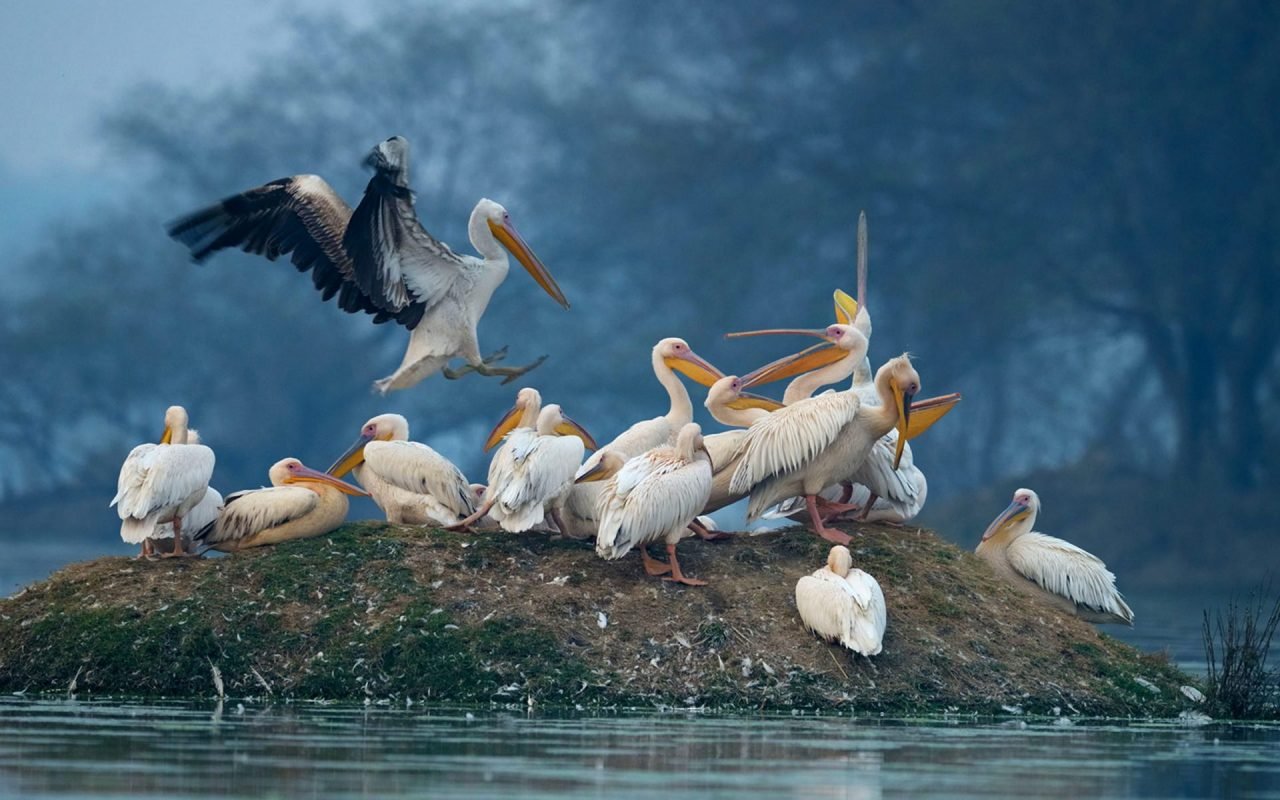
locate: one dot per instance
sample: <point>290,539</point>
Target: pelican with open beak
<point>301,503</point>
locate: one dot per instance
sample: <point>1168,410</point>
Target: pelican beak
<point>747,400</point>
<point>504,426</point>
<point>903,399</point>
<point>568,427</point>
<point>351,459</point>
<point>693,365</point>
<point>167,436</point>
<point>811,358</point>
<point>1016,512</point>
<point>846,308</point>
<point>926,412</point>
<point>307,474</point>
<point>598,472</point>
<point>507,234</point>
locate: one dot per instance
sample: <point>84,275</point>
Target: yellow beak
<point>846,308</point>
<point>510,238</point>
<point>570,428</point>
<point>810,358</point>
<point>926,412</point>
<point>1016,512</point>
<point>352,458</point>
<point>599,472</point>
<point>903,400</point>
<point>504,426</point>
<point>693,365</point>
<point>306,474</point>
<point>747,400</point>
<point>167,436</point>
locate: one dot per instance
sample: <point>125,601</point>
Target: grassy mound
<point>382,611</point>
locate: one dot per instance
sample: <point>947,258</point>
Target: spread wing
<point>303,217</point>
<point>1066,570</point>
<point>393,255</point>
<point>255,510</point>
<point>791,437</point>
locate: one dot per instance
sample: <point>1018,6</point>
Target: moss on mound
<point>377,610</point>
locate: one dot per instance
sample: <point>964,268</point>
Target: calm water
<point>75,749</point>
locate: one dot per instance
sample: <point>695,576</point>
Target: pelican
<point>668,356</point>
<point>653,497</point>
<point>1072,579</point>
<point>300,503</point>
<point>410,482</point>
<point>201,514</point>
<point>161,483</point>
<point>843,604</point>
<point>533,468</point>
<point>379,259</point>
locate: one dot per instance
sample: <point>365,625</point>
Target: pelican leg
<point>178,550</point>
<point>653,566</point>
<point>819,527</point>
<point>148,549</point>
<point>832,508</point>
<point>511,373</point>
<point>556,520</point>
<point>846,491</point>
<point>465,525</point>
<point>703,533</point>
<point>676,575</point>
<point>866,509</point>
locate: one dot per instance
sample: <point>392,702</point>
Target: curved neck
<point>178,433</point>
<point>734,417</point>
<point>884,416</point>
<point>483,241</point>
<point>810,382</point>
<point>681,412</point>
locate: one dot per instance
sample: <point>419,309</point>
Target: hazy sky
<point>66,61</point>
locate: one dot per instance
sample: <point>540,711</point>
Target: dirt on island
<point>395,612</point>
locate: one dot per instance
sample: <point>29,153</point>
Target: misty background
<point>1073,221</point>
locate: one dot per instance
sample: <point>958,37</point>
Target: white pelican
<point>379,259</point>
<point>161,483</point>
<point>667,356</point>
<point>410,482</point>
<point>652,498</point>
<point>300,503</point>
<point>1072,579</point>
<point>843,604</point>
<point>531,471</point>
<point>201,514</point>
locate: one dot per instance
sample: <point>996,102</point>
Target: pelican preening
<point>652,498</point>
<point>1072,579</point>
<point>379,259</point>
<point>843,604</point>
<point>409,481</point>
<point>161,483</point>
<point>300,503</point>
<point>532,470</point>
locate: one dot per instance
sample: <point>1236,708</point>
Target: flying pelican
<point>533,468</point>
<point>300,503</point>
<point>379,259</point>
<point>668,356</point>
<point>409,481</point>
<point>161,483</point>
<point>1072,579</point>
<point>653,497</point>
<point>843,604</point>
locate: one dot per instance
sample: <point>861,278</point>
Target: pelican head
<point>175,425</point>
<point>689,443</point>
<point>840,560</point>
<point>382,428</point>
<point>606,465</point>
<point>523,414</point>
<point>554,422</point>
<point>1018,518</point>
<point>490,222</point>
<point>391,158</point>
<point>903,382</point>
<point>840,341</point>
<point>676,354</point>
<point>728,393</point>
<point>291,471</point>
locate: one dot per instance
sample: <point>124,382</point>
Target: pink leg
<point>676,574</point>
<point>819,527</point>
<point>703,533</point>
<point>653,566</point>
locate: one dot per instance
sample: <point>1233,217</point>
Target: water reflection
<point>99,749</point>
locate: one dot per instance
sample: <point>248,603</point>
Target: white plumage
<point>1071,578</point>
<point>161,483</point>
<point>653,497</point>
<point>843,604</point>
<point>409,481</point>
<point>533,468</point>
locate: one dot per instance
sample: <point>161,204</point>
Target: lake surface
<point>97,749</point>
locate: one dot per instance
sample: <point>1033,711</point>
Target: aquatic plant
<point>1236,644</point>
